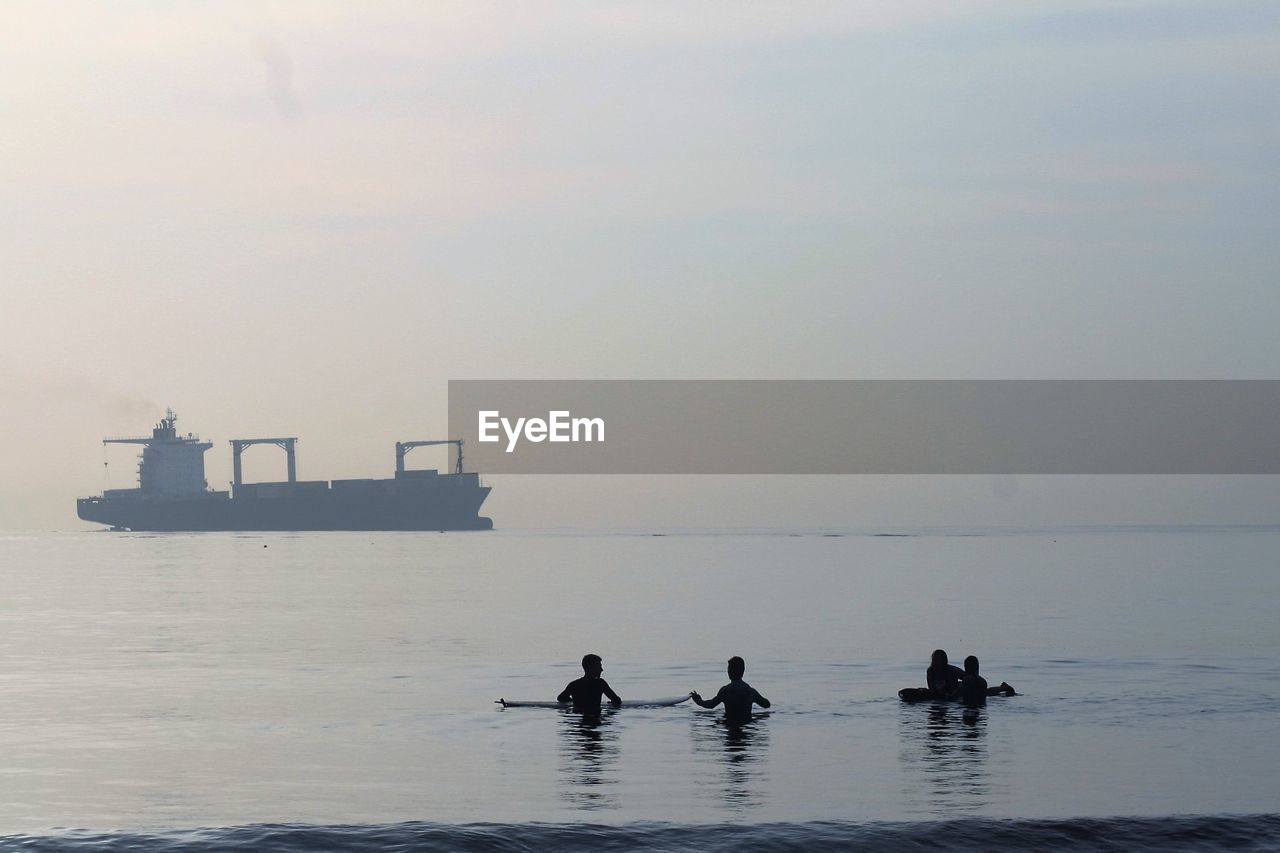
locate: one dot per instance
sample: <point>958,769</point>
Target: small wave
<point>1148,833</point>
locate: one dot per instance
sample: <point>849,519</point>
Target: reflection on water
<point>740,751</point>
<point>943,751</point>
<point>588,759</point>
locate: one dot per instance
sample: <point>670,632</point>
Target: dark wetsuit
<point>973,690</point>
<point>737,697</point>
<point>944,684</point>
<point>585,693</point>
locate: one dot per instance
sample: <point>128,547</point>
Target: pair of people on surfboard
<point>948,681</point>
<point>737,696</point>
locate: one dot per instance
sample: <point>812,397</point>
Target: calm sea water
<point>290,691</point>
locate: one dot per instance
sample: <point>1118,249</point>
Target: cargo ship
<point>173,495</point>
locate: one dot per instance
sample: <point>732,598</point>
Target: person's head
<point>737,666</point>
<point>592,664</point>
<point>971,665</point>
<point>939,657</point>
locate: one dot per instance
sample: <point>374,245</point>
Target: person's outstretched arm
<point>705,703</point>
<point>608,691</point>
<point>758,699</point>
<point>566,695</point>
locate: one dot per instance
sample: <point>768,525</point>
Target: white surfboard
<point>626,703</point>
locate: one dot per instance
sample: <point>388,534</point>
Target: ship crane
<point>403,447</point>
<point>288,445</point>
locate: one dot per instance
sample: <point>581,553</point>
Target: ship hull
<point>455,508</point>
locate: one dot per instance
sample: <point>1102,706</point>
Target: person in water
<point>585,693</point>
<point>737,695</point>
<point>973,687</point>
<point>942,678</point>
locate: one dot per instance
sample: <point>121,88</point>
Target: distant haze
<point>303,219</point>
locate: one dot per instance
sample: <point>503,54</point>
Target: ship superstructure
<point>171,466</point>
<point>173,494</point>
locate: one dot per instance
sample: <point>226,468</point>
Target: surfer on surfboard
<point>973,687</point>
<point>737,695</point>
<point>585,693</point>
<point>942,677</point>
<point>948,682</point>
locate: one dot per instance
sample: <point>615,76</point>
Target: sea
<point>336,691</point>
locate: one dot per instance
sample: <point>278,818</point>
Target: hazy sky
<point>303,218</point>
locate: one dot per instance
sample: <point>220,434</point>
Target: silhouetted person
<point>973,687</point>
<point>737,695</point>
<point>585,693</point>
<point>942,678</point>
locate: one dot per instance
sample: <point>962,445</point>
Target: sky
<point>305,218</point>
